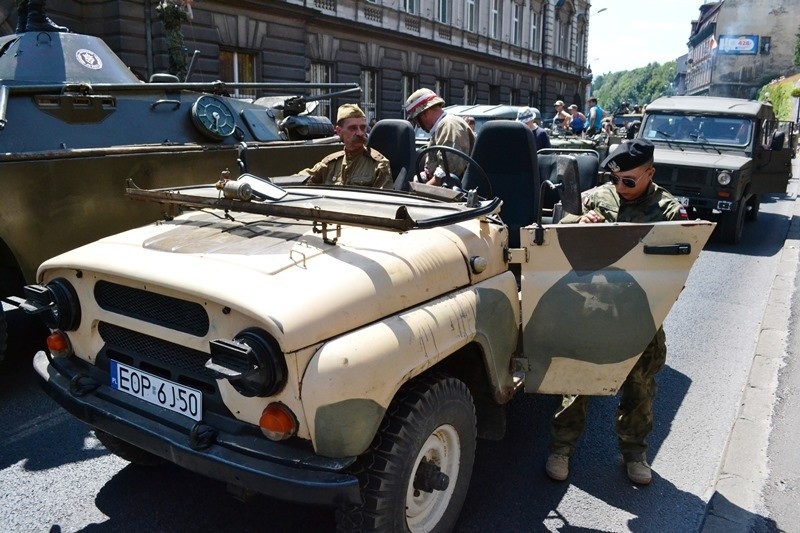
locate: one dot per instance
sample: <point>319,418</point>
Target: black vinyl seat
<point>394,139</point>
<point>588,162</point>
<point>506,150</point>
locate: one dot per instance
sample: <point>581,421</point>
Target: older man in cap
<point>531,118</point>
<point>424,108</point>
<point>356,164</point>
<point>629,196</point>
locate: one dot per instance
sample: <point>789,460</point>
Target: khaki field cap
<point>419,101</point>
<point>349,111</point>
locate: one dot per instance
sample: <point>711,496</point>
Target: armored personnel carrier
<point>75,124</point>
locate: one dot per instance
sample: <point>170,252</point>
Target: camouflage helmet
<point>419,101</point>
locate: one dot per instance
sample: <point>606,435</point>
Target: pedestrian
<point>630,196</point>
<point>470,122</point>
<point>577,121</point>
<point>356,164</point>
<point>595,121</point>
<point>562,118</point>
<point>424,108</point>
<point>531,118</point>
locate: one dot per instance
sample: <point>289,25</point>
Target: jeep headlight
<point>724,178</point>
<point>57,303</point>
<point>251,362</point>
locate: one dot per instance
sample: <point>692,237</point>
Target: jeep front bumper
<point>267,467</point>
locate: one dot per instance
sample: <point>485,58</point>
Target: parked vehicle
<point>75,124</point>
<point>345,346</point>
<point>717,155</point>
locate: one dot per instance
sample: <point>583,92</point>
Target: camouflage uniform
<point>634,417</point>
<point>367,169</point>
<point>173,16</point>
<point>452,131</point>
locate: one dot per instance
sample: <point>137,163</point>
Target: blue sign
<point>738,44</point>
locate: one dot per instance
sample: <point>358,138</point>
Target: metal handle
<point>681,248</point>
<point>176,103</point>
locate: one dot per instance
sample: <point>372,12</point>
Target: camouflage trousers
<point>634,418</point>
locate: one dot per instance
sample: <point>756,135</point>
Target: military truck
<point>717,155</point>
<point>345,346</point>
<point>75,123</point>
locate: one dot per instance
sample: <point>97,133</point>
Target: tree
<point>797,50</point>
<point>636,87</point>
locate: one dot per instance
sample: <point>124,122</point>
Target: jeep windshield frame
<point>700,130</point>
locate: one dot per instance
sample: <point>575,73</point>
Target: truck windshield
<point>698,129</point>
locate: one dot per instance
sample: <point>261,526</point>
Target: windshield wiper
<point>668,136</point>
<point>702,141</point>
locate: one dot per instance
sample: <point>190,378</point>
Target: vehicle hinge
<point>324,230</point>
<point>516,255</point>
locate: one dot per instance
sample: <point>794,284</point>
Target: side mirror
<point>570,193</point>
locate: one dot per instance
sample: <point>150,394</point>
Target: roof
<point>707,104</point>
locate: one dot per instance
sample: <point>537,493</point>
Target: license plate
<point>683,200</point>
<point>157,391</point>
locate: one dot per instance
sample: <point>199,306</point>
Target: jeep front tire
<point>415,475</point>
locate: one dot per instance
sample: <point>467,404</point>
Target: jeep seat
<point>394,139</point>
<point>506,150</point>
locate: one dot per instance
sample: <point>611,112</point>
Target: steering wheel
<point>444,150</point>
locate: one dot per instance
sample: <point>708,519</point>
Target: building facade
<point>520,52</point>
<point>736,46</point>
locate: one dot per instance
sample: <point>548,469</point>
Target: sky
<point>632,33</point>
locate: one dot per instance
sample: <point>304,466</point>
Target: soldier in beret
<point>356,164</point>
<point>629,196</point>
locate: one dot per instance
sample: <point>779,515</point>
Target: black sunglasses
<point>628,182</point>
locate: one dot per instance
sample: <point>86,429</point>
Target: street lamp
<point>600,10</point>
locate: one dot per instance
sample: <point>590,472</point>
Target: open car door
<point>772,165</point>
<point>584,330</point>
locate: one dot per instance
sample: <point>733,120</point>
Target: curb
<point>736,497</point>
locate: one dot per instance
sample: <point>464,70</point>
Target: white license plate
<point>157,391</point>
<point>683,200</point>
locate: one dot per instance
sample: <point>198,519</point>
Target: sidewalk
<point>736,500</point>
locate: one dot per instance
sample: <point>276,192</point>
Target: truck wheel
<point>127,451</point>
<point>731,224</point>
<point>753,207</point>
<point>415,475</point>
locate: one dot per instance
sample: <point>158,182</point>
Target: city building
<point>520,52</point>
<point>736,46</point>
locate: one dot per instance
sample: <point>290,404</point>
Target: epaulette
<point>375,155</point>
<point>332,157</point>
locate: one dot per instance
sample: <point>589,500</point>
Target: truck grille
<point>165,311</point>
<point>682,181</point>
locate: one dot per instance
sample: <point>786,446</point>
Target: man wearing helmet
<point>424,109</point>
<point>356,164</point>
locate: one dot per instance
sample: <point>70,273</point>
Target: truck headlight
<point>724,178</point>
<point>251,362</point>
<point>57,303</point>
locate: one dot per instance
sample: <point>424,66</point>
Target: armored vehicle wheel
<point>415,475</point>
<point>126,451</point>
<point>753,207</point>
<point>731,224</point>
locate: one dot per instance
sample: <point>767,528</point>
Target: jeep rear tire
<point>731,224</point>
<point>429,430</point>
<point>127,451</point>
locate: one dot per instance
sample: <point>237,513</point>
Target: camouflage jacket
<point>172,15</point>
<point>656,205</point>
<point>367,169</point>
<point>452,131</point>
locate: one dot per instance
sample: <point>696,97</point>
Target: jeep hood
<point>691,158</point>
<point>281,272</point>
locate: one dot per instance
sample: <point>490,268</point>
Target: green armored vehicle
<point>345,346</point>
<point>717,155</point>
<point>75,123</point>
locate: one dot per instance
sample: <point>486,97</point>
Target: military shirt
<point>366,169</point>
<point>452,131</point>
<point>656,205</point>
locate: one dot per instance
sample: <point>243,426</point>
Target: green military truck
<point>717,155</point>
<point>345,346</point>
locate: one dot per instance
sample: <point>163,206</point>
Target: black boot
<point>38,20</point>
<point>22,16</point>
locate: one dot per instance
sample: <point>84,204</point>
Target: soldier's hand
<point>590,217</point>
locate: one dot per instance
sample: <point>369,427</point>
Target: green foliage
<point>796,92</point>
<point>779,94</point>
<point>637,87</point>
<point>797,51</point>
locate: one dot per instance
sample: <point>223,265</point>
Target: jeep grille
<point>682,181</point>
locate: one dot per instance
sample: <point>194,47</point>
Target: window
<point>513,99</point>
<point>581,46</point>
<point>562,36</point>
<point>321,73</point>
<point>516,24</point>
<point>494,94</point>
<point>469,15</point>
<point>443,11</point>
<point>410,6</point>
<point>469,94</point>
<point>494,31</point>
<point>238,67</point>
<point>407,86</point>
<point>440,88</point>
<point>369,95</point>
<point>534,43</point>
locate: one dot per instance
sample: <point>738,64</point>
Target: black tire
<point>127,451</point>
<point>753,207</point>
<point>731,224</point>
<point>431,418</point>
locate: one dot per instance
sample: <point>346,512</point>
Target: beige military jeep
<point>344,346</point>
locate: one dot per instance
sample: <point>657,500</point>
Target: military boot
<point>639,472</point>
<point>38,19</point>
<point>557,466</point>
<point>22,16</point>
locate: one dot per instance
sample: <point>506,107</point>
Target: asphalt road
<point>55,476</point>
